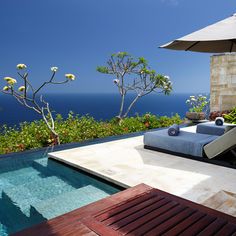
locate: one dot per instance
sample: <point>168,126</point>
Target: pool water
<point>34,189</point>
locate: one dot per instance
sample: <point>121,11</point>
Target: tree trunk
<point>131,105</point>
<point>121,105</point>
<point>55,138</point>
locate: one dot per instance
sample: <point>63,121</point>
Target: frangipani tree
<point>134,75</point>
<point>27,95</point>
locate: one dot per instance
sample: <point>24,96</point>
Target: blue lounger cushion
<point>185,143</point>
<point>210,128</point>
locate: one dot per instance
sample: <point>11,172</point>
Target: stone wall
<point>223,82</point>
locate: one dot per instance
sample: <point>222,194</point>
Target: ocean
<point>99,106</point>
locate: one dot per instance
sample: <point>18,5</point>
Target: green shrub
<point>35,134</point>
<point>231,117</point>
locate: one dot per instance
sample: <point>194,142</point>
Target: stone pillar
<point>223,82</point>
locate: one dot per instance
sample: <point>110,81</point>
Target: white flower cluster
<point>21,66</point>
<point>54,69</point>
<point>70,76</point>
<point>116,81</point>
<point>167,84</point>
<point>11,81</point>
<point>197,103</point>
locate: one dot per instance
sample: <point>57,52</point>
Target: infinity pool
<point>34,189</point>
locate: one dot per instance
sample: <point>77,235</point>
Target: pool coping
<point>90,171</point>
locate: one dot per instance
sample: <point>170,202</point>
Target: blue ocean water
<point>100,106</point>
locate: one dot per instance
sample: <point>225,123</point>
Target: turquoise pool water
<point>34,189</point>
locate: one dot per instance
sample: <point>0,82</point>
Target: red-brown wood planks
<point>140,210</point>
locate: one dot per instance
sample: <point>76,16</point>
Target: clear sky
<point>79,35</point>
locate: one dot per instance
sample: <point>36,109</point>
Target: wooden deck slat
<point>227,230</point>
<point>69,229</point>
<point>213,227</point>
<point>144,205</point>
<point>185,224</point>
<point>142,220</point>
<point>198,226</point>
<point>195,205</point>
<point>173,221</point>
<point>73,229</point>
<point>100,228</point>
<point>147,227</point>
<point>143,212</point>
<point>127,205</point>
<point>135,211</point>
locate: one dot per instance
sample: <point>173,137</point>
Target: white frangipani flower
<point>5,88</point>
<point>10,80</point>
<point>70,76</point>
<point>116,81</point>
<point>54,69</point>
<point>21,66</point>
<point>21,88</point>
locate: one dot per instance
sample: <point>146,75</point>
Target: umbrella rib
<point>232,44</point>
<point>192,46</point>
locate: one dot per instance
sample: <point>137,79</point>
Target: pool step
<point>67,202</point>
<point>3,230</point>
<point>17,200</point>
<point>22,176</point>
<point>16,161</point>
<point>27,194</point>
<point>76,178</point>
<point>4,184</point>
<point>19,177</point>
<point>62,171</point>
<point>15,217</point>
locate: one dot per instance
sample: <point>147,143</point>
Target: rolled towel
<point>173,130</point>
<point>219,121</point>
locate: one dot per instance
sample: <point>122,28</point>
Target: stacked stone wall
<point>223,82</point>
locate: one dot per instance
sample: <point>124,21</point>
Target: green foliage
<point>231,117</point>
<point>103,69</point>
<point>76,129</point>
<point>121,55</point>
<point>142,60</point>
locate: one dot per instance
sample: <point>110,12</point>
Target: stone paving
<point>127,163</point>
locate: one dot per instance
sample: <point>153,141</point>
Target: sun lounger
<point>185,143</point>
<point>221,145</point>
<point>219,150</point>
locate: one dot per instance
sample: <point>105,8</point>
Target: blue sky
<point>79,35</point>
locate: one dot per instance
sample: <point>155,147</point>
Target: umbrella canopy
<point>216,38</point>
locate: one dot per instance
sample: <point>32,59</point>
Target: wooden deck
<point>140,210</point>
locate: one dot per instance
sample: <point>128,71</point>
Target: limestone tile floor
<point>223,201</point>
<point>127,163</point>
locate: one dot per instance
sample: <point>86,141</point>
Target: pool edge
<point>87,170</point>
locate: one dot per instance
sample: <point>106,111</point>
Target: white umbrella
<point>216,38</point>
